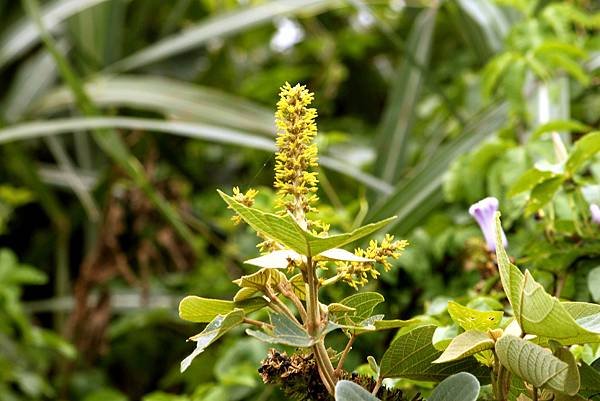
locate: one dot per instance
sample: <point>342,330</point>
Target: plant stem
<point>258,323</point>
<point>340,365</point>
<point>295,300</point>
<point>535,394</point>
<point>280,305</point>
<point>377,385</point>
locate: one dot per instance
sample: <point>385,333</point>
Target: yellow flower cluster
<point>296,153</point>
<point>356,274</point>
<point>247,199</point>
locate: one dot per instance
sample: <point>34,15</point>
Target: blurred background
<point>120,119</point>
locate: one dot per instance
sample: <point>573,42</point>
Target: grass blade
<point>24,35</point>
<point>172,98</point>
<point>40,129</point>
<point>400,112</point>
<point>414,196</point>
<point>219,26</point>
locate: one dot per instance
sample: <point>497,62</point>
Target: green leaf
<point>24,35</point>
<point>298,286</point>
<point>536,365</point>
<point>213,133</point>
<point>583,150</point>
<point>585,314</point>
<point>529,180</point>
<point>287,232</point>
<point>590,381</point>
<point>543,193</point>
<point>411,355</point>
<point>262,278</point>
<point>415,196</point>
<point>285,331</point>
<point>279,259</point>
<point>203,310</point>
<point>363,304</point>
<point>466,344</point>
<point>594,283</point>
<point>472,319</point>
<point>461,386</point>
<point>346,390</point>
<point>536,311</point>
<point>559,125</point>
<point>398,118</point>
<point>220,325</point>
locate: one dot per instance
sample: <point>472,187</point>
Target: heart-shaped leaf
<point>411,355</point>
<point>536,365</point>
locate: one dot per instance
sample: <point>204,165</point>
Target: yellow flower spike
<point>296,152</point>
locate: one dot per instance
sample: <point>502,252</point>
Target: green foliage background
<point>120,119</point>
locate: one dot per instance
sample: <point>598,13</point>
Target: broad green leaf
<point>472,319</point>
<point>585,314</point>
<point>594,284</point>
<point>461,386</point>
<point>560,125</point>
<point>466,344</point>
<point>337,308</point>
<point>583,150</point>
<point>213,331</point>
<point>535,364</point>
<point>261,279</point>
<point>244,293</point>
<point>411,355</point>
<point>285,331</point>
<point>536,311</point>
<point>363,304</point>
<point>287,232</point>
<point>346,390</point>
<point>568,383</point>
<point>543,193</point>
<point>279,259</point>
<point>203,310</point>
<point>529,180</point>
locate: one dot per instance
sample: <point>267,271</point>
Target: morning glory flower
<point>483,212</point>
<point>595,211</point>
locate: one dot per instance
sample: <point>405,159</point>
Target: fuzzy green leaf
<point>285,331</point>
<point>472,319</point>
<point>346,390</point>
<point>461,386</point>
<point>536,311</point>
<point>411,355</point>
<point>466,344</point>
<point>536,365</point>
<point>363,304</point>
<point>287,232</point>
<point>220,325</point>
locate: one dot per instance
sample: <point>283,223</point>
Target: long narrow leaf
<point>38,129</point>
<point>218,27</point>
<point>400,111</point>
<point>24,35</point>
<point>414,194</point>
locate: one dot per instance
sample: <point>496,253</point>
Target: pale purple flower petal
<point>484,213</point>
<point>595,211</point>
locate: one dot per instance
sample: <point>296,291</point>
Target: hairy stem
<point>377,385</point>
<point>258,323</point>
<point>280,305</point>
<point>289,293</point>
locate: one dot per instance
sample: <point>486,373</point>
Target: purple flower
<point>595,211</point>
<point>484,212</point>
